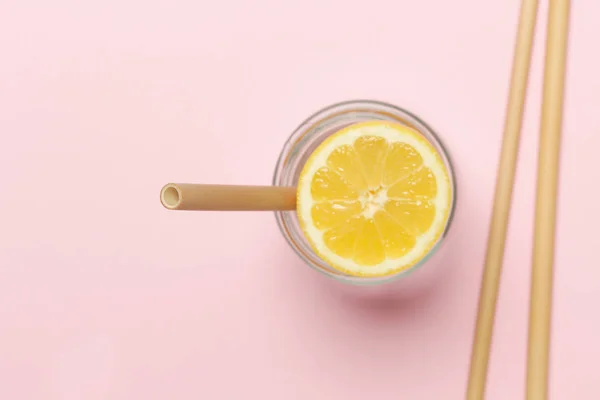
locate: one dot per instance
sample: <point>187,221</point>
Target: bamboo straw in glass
<point>187,196</point>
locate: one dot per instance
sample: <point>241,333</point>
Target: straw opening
<point>170,197</point>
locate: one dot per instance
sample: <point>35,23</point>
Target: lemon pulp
<point>374,198</point>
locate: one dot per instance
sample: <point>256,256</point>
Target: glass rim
<point>309,125</point>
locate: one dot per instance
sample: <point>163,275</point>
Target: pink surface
<point>105,295</point>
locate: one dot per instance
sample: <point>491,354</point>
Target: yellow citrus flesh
<point>374,198</point>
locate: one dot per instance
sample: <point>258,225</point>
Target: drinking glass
<point>308,136</point>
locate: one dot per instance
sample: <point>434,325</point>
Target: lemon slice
<point>374,198</point>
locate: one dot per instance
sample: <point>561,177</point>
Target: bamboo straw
<point>502,199</point>
<point>186,196</point>
<point>545,210</point>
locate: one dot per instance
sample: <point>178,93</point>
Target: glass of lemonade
<point>337,120</point>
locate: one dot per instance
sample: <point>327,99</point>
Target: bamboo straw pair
<point>545,212</point>
<point>247,198</point>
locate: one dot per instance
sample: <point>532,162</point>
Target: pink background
<point>106,295</point>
